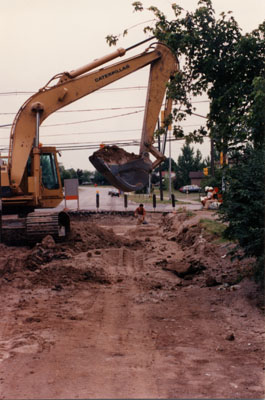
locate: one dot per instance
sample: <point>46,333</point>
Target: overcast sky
<point>39,39</point>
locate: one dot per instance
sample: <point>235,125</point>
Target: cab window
<point>49,172</point>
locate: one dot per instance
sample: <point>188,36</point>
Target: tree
<point>243,205</point>
<point>81,175</point>
<point>217,59</point>
<point>187,163</point>
<point>165,165</point>
<point>64,174</point>
<point>99,179</point>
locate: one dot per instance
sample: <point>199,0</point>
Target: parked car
<point>190,189</point>
<point>114,192</point>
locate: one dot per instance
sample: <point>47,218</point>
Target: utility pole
<point>169,166</point>
<point>212,157</point>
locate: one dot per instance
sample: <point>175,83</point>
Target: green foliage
<point>81,175</point>
<point>137,6</point>
<point>218,60</point>
<point>112,40</point>
<point>99,179</point>
<point>165,165</point>
<point>214,181</point>
<point>187,162</point>
<point>215,228</point>
<point>243,205</point>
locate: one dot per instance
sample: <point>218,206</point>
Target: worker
<point>140,213</point>
<point>212,198</point>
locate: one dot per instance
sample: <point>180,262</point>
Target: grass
<point>215,228</point>
<point>181,198</point>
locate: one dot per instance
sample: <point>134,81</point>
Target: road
<point>87,201</point>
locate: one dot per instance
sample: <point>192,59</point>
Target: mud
<point>115,155</point>
<point>126,311</point>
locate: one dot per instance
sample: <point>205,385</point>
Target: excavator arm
<point>79,83</point>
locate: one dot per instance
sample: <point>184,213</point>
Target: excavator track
<point>40,224</point>
<point>34,227</point>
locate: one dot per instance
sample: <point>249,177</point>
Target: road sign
<point>71,190</point>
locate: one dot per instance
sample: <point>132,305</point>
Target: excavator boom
<point>79,83</point>
<point>126,171</point>
<point>30,176</point>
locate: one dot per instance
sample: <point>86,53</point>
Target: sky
<point>39,39</point>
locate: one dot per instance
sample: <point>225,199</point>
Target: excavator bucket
<point>126,171</point>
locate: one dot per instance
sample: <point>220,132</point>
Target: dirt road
<point>126,311</point>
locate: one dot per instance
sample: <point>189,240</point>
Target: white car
<point>114,192</point>
<point>190,189</point>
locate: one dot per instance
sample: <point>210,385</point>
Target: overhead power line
<point>84,121</point>
<point>72,134</point>
<point>96,145</point>
<point>92,120</point>
<point>100,109</point>
<point>15,93</point>
<point>84,110</point>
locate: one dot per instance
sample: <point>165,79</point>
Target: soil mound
<point>57,276</point>
<point>115,155</point>
<point>88,236</point>
<point>53,264</point>
<point>206,261</point>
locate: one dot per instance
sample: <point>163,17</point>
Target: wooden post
<point>125,201</point>
<point>154,201</point>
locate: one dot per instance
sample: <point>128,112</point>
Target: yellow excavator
<point>30,175</point>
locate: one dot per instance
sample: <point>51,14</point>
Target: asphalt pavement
<point>87,202</point>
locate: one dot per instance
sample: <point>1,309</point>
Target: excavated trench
<point>120,310</point>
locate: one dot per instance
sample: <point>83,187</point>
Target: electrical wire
<point>96,145</point>
<point>97,132</point>
<point>101,109</point>
<point>15,93</point>
<point>92,120</point>
<point>84,121</point>
<point>84,110</point>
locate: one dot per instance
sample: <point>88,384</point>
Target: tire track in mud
<point>104,348</point>
<point>125,353</point>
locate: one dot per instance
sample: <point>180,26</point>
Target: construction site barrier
<point>173,201</point>
<point>154,201</point>
<point>97,200</point>
<point>125,201</point>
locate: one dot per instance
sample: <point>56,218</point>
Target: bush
<point>243,206</point>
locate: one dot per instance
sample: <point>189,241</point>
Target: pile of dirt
<point>87,236</point>
<point>205,259</point>
<point>57,276</point>
<point>47,265</point>
<point>45,252</point>
<point>53,264</point>
<point>115,155</point>
<point>12,259</point>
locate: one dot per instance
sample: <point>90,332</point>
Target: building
<point>196,177</point>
